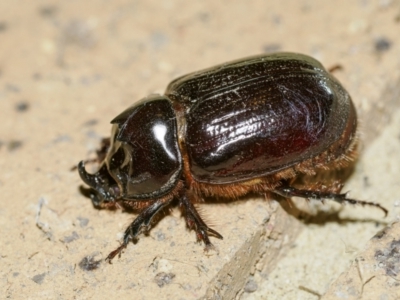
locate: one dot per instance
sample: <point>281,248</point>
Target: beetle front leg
<point>194,221</point>
<point>143,220</point>
<point>288,191</point>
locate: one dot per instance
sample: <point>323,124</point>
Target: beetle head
<point>103,186</point>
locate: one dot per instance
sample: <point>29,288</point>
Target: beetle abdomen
<point>252,118</point>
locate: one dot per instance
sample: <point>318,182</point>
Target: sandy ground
<point>68,67</point>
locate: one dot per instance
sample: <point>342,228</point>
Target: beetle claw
<point>215,233</point>
<point>114,253</point>
<point>194,221</point>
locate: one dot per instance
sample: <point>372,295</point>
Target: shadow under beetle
<point>251,125</point>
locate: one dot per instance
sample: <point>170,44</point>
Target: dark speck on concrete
<point>3,26</point>
<point>39,278</point>
<point>80,33</point>
<point>204,17</point>
<point>88,263</point>
<point>158,40</point>
<point>269,48</point>
<point>382,44</point>
<point>276,19</point>
<point>48,11</point>
<point>88,80</point>
<point>160,236</point>
<point>389,258</point>
<point>91,122</point>
<point>366,182</point>
<point>163,278</point>
<point>92,134</point>
<point>22,106</point>
<point>68,239</point>
<point>36,76</point>
<point>62,139</point>
<point>14,145</point>
<point>83,221</point>
<point>251,286</point>
<point>13,88</point>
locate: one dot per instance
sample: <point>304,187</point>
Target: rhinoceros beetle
<point>251,125</point>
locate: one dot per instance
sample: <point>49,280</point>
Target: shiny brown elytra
<point>251,125</point>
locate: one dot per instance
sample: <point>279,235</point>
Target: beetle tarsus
<point>288,191</point>
<point>194,221</point>
<point>341,198</point>
<point>115,253</point>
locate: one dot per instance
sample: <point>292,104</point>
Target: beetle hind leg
<point>288,191</point>
<point>194,221</point>
<point>142,221</point>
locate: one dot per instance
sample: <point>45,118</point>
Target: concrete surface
<point>68,67</point>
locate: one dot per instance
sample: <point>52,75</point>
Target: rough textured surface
<point>375,272</point>
<point>68,67</point>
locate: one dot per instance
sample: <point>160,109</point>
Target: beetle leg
<point>194,221</point>
<point>288,191</point>
<point>143,220</point>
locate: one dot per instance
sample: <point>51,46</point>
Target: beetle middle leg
<point>143,220</point>
<point>288,191</point>
<point>194,221</point>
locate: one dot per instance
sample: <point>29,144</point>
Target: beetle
<point>252,125</point>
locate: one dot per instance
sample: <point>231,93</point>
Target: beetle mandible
<point>251,125</point>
